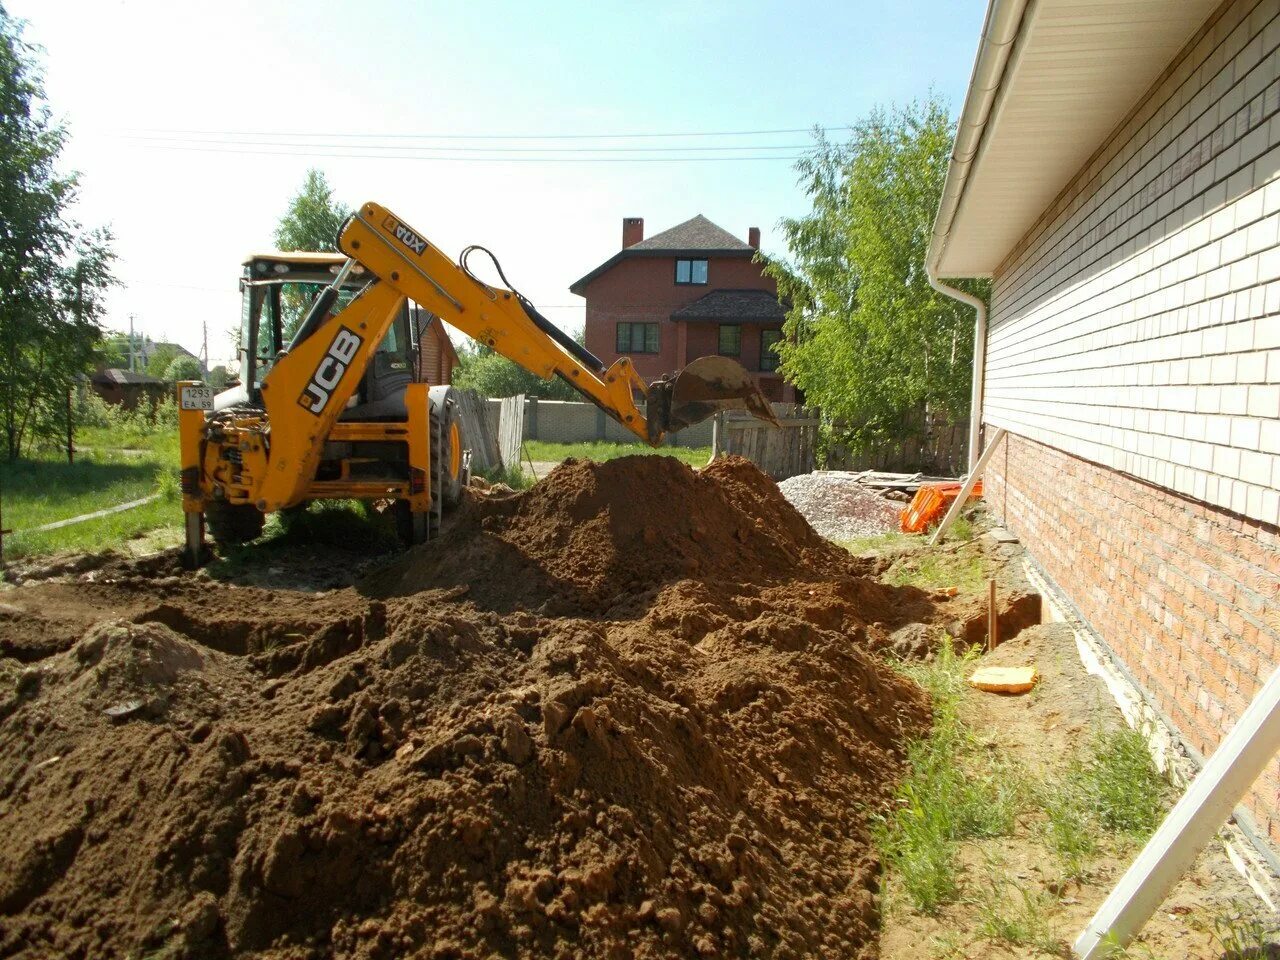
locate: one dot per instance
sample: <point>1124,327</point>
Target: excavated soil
<point>633,711</point>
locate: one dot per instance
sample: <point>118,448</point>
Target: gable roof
<point>696,233</point>
<point>734,306</point>
<point>697,236</point>
<point>122,377</point>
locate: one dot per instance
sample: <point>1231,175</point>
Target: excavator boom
<point>505,321</point>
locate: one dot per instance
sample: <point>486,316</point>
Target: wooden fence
<point>780,452</point>
<point>478,432</point>
<point>511,429</point>
<point>943,452</point>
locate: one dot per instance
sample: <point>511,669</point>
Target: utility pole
<point>131,369</point>
<point>204,348</point>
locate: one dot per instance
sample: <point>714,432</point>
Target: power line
<point>483,136</point>
<point>459,159</point>
<point>153,141</point>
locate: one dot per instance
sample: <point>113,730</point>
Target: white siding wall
<point>1138,325</point>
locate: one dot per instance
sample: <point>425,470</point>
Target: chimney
<point>753,238</point>
<point>632,231</point>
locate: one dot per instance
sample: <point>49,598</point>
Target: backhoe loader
<point>334,412</point>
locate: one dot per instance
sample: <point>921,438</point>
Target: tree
<point>313,218</point>
<point>53,274</point>
<point>868,339</point>
<point>311,223</point>
<point>218,377</point>
<point>490,374</point>
<point>161,359</point>
<point>183,367</point>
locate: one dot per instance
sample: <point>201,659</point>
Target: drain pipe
<point>999,31</point>
<point>979,361</point>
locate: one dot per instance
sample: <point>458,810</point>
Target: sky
<point>525,127</point>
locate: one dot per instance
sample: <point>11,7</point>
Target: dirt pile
<point>631,712</point>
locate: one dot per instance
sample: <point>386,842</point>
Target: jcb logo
<point>330,371</point>
<point>405,235</point>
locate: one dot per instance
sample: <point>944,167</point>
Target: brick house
<point>1117,175</point>
<point>437,357</point>
<point>688,292</point>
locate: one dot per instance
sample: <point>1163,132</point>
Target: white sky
<point>185,214</point>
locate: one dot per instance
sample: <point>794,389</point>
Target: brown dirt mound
<point>593,536</point>
<point>683,767</point>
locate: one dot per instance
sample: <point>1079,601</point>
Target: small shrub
<point>513,477</point>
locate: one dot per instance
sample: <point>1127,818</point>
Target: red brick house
<point>437,357</point>
<point>688,292</point>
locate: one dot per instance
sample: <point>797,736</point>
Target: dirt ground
<point>634,711</point>
<point>1042,731</point>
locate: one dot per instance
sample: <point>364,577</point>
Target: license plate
<point>197,398</point>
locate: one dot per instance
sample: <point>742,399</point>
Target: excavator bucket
<point>701,390</point>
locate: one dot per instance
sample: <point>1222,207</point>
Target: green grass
<point>513,477</point>
<point>932,569</point>
<point>44,488</point>
<point>542,450</point>
<point>953,791</point>
<point>1112,788</point>
<point>880,543</point>
<point>1008,913</point>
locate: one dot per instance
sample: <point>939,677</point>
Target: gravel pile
<point>840,508</point>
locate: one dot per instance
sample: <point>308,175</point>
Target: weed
<point>513,477</point>
<point>1068,830</point>
<point>1126,789</point>
<point>1244,935</point>
<point>1114,787</point>
<point>952,792</point>
<point>933,569</point>
<point>961,530</point>
<point>1020,918</point>
<point>167,484</point>
<point>880,543</point>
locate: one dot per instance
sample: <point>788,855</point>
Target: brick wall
<point>644,290</point>
<point>1183,592</point>
<point>1138,323</point>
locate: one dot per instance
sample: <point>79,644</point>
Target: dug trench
<point>636,710</point>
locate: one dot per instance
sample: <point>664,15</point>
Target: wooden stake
<point>993,618</point>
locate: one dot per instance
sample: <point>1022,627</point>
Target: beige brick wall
<point>1138,325</point>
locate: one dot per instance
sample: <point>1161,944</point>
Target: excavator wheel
<point>446,455</point>
<point>233,523</point>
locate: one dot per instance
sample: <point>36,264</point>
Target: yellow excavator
<point>336,413</point>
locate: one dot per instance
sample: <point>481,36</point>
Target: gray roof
<point>121,376</point>
<point>696,237</point>
<point>697,233</point>
<point>734,306</point>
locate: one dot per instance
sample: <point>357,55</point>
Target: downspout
<point>999,30</point>
<point>979,361</point>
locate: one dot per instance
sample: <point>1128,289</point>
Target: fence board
<point>780,452</point>
<point>511,429</point>
<point>478,432</point>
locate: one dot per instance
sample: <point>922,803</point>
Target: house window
<point>637,338</point>
<point>730,340</point>
<point>768,359</point>
<point>691,271</point>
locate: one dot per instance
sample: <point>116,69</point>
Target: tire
<point>233,523</point>
<point>448,440</point>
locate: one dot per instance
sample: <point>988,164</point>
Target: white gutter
<point>999,30</point>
